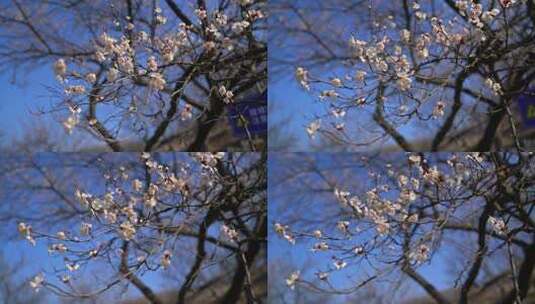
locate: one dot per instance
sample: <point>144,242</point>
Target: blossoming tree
<point>444,71</point>
<point>195,219</point>
<point>142,71</point>
<point>380,220</point>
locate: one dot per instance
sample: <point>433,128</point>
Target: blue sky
<point>289,104</point>
<point>20,101</point>
<point>37,260</point>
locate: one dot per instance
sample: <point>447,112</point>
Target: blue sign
<point>249,115</point>
<point>527,107</point>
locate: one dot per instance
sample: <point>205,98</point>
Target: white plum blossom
<point>85,229</point>
<point>239,27</point>
<point>72,266</point>
<point>209,160</point>
<point>360,75</point>
<point>462,6</point>
<point>26,231</point>
<point>404,82</point>
<point>57,248</point>
<point>292,279</point>
<point>343,226</point>
<point>358,47</point>
<point>75,90</point>
<point>152,65</point>
<point>313,128</point>
<point>332,94</point>
<point>60,68</point>
<point>201,13</point>
<point>494,86</point>
<point>137,185</point>
<point>403,180</point>
<point>161,19</point>
<point>186,113</point>
<point>245,2</point>
<point>508,3</point>
<point>65,278</point>
<point>321,246</point>
<point>382,226</point>
<point>340,264</point>
<point>283,231</point>
<point>166,258</point>
<point>438,110</point>
<point>91,77</point>
<point>229,232</point>
<point>358,250</point>
<point>421,254</point>
<point>342,196</point>
<point>488,16</point>
<point>127,231</point>
<point>37,282</point>
<point>338,113</point>
<point>497,225</point>
<point>71,122</point>
<point>302,76</point>
<point>337,82</point>
<point>432,175</point>
<point>415,183</point>
<point>157,81</point>
<point>226,94</point>
<point>61,235</point>
<point>405,36</point>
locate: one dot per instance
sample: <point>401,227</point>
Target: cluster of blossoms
<point>229,233</point>
<point>383,212</point>
<point>208,160</point>
<point>136,58</point>
<point>474,12</point>
<point>227,95</point>
<point>392,208</point>
<point>302,76</point>
<point>494,86</point>
<point>26,232</point>
<point>313,127</point>
<point>421,254</point>
<point>73,119</point>
<point>284,232</point>
<point>292,279</point>
<point>166,258</point>
<point>125,210</point>
<point>393,59</point>
<point>37,282</point>
<point>497,225</point>
<point>438,110</point>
